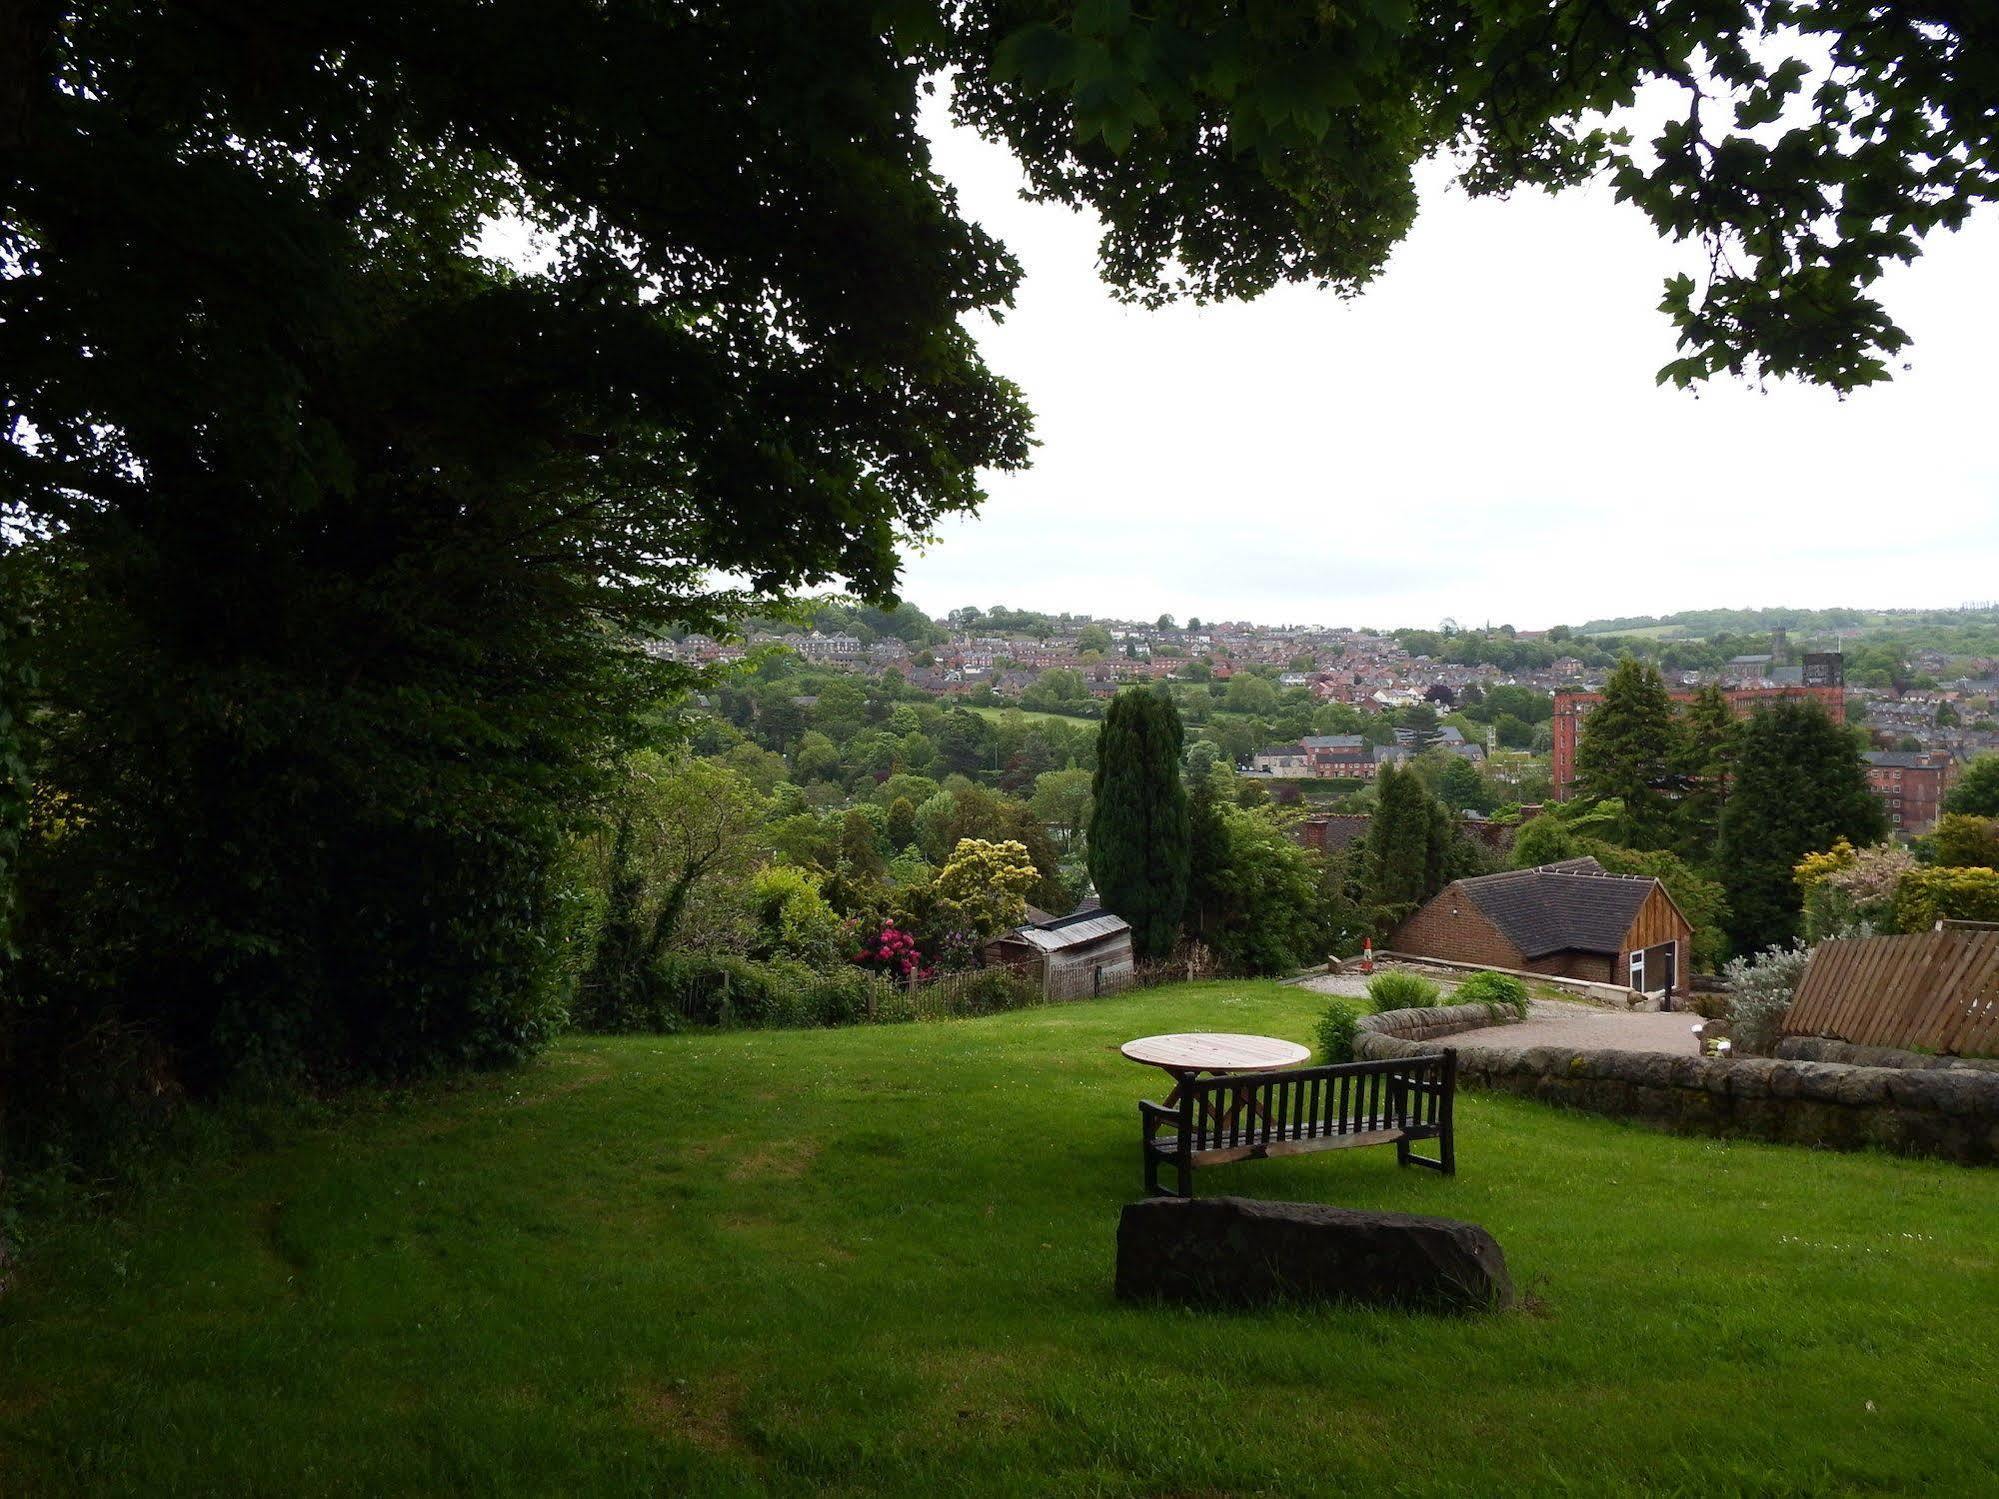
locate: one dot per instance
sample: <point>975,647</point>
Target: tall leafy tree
<point>1799,786</point>
<point>14,685</point>
<point>1274,908</point>
<point>1139,831</point>
<point>1977,789</point>
<point>1178,123</point>
<point>679,823</point>
<point>341,523</point>
<point>1463,788</point>
<point>1626,750</point>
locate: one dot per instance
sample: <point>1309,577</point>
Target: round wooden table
<point>1188,1054</point>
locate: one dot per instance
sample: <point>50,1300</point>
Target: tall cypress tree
<point>1799,786</point>
<point>1139,834</point>
<point>1626,750</point>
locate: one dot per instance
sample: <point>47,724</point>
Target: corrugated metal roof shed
<point>1072,931</point>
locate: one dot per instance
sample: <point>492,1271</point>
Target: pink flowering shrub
<point>892,951</point>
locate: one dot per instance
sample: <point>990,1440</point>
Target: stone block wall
<point>1951,1112</point>
<point>1825,1049</point>
<point>1408,1032</point>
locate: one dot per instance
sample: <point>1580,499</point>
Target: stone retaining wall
<point>1825,1049</point>
<point>1416,1027</point>
<point>1952,1112</point>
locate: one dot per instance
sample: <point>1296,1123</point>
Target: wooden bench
<point>1249,1116</point>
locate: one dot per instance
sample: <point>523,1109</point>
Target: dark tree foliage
<point>1208,852</point>
<point>337,529</point>
<point>1625,752</point>
<point>1229,148</point>
<point>1799,787</point>
<point>901,823</point>
<point>15,682</point>
<point>1139,832</point>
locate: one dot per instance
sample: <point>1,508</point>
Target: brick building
<point>1823,684</point>
<point>1340,756</point>
<point>1911,785</point>
<point>1568,920</point>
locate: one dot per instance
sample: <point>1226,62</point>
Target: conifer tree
<point>1703,760</point>
<point>1799,786</point>
<point>1626,749</point>
<point>1207,847</point>
<point>1139,834</point>
<point>1408,845</point>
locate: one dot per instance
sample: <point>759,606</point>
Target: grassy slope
<point>879,1261</point>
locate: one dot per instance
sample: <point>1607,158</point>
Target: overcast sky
<point>1477,436</point>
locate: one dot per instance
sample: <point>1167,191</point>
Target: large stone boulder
<point>1233,1251</point>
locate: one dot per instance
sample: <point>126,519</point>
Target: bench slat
<point>1242,1117</point>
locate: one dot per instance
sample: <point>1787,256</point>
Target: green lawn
<point>878,1261</point>
<point>1036,716</point>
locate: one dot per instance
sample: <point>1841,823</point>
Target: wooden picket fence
<point>1928,991</point>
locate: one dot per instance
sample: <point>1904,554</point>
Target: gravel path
<point>1552,1022</point>
<point>1558,1022</point>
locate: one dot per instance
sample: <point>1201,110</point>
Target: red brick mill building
<point>1823,682</point>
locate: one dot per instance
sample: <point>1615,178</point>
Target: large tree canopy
<point>1802,144</point>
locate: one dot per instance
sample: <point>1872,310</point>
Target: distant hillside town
<point>1509,702</point>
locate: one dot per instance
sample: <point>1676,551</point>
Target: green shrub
<point>726,991</point>
<point>1760,991</point>
<point>1497,991</point>
<point>1400,991</point>
<point>1337,1028</point>
<point>1927,896</point>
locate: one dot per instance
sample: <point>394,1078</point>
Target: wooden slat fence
<point>1927,991</point>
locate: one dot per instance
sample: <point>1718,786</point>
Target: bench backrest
<point>1308,1102</point>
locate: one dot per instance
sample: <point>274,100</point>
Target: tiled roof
<point>1333,741</point>
<point>1344,829</point>
<point>1573,906</point>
